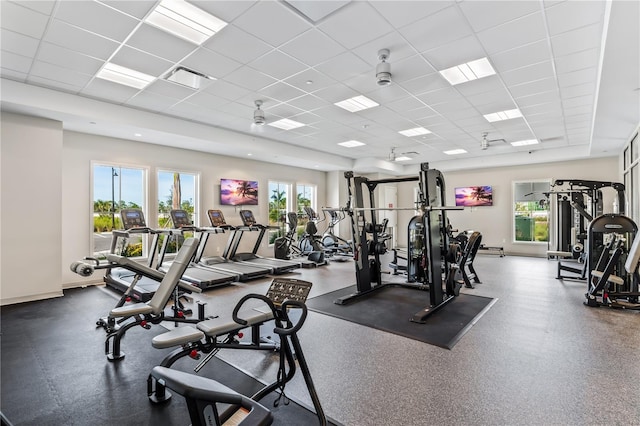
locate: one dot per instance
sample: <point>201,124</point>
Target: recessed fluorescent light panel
<point>403,158</point>
<point>351,144</point>
<point>357,103</point>
<point>286,124</point>
<point>468,71</point>
<point>416,131</point>
<point>126,76</point>
<point>455,152</point>
<point>525,142</point>
<point>503,115</point>
<point>185,20</point>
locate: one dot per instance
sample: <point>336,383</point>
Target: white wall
<point>30,229</point>
<point>80,150</point>
<point>495,222</point>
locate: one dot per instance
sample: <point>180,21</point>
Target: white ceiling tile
<point>169,89</point>
<point>226,90</point>
<point>487,14</point>
<point>15,62</point>
<point>577,61</point>
<point>278,65</point>
<point>308,103</point>
<point>533,87</point>
<point>43,6</point>
<point>455,53</point>
<point>84,42</point>
<point>401,13</point>
<point>210,63</point>
<point>281,92</point>
<point>272,22</point>
<point>141,61</point>
<point>363,83</point>
<point>356,24</point>
<point>500,96</point>
<point>228,41</point>
<point>538,98</point>
<point>578,110</point>
<point>528,73</point>
<point>207,99</point>
<point>521,56</point>
<point>578,90</point>
<point>96,18</point>
<point>398,48</point>
<point>447,94</point>
<point>578,101</point>
<point>343,66</point>
<point>18,43</point>
<point>310,80</point>
<point>137,9</point>
<point>459,112</point>
<point>570,15</point>
<point>151,101</point>
<point>527,29</point>
<point>440,28</point>
<point>57,55</point>
<point>104,89</point>
<point>447,108</point>
<point>578,125</point>
<point>249,78</point>
<point>386,94</point>
<point>550,108</point>
<point>57,73</point>
<point>424,84</point>
<point>408,69</point>
<point>12,75</point>
<point>574,78</point>
<point>482,85</point>
<point>53,84</point>
<point>21,20</point>
<point>405,104</point>
<point>227,10</point>
<point>160,43</point>
<point>576,40</point>
<point>312,48</point>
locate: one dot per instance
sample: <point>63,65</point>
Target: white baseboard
<point>32,298</point>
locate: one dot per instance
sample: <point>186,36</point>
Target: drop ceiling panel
<point>487,14</point>
<point>22,20</point>
<point>357,23</point>
<point>521,56</point>
<point>571,15</point>
<point>226,90</point>
<point>538,98</point>
<point>343,67</point>
<point>272,22</point>
<point>533,87</point>
<point>18,43</point>
<point>57,73</point>
<point>249,78</point>
<point>310,80</point>
<point>584,38</point>
<point>486,85</point>
<point>278,65</point>
<point>401,13</point>
<point>11,74</point>
<point>157,42</point>
<point>529,73</point>
<point>577,61</point>
<point>578,101</point>
<point>574,78</point>
<point>103,89</point>
<point>141,61</point>
<point>84,42</point>
<point>455,53</point>
<point>498,97</point>
<point>408,69</point>
<point>96,18</point>
<point>172,90</point>
<point>518,32</point>
<point>312,48</point>
<point>15,62</point>
<point>137,9</point>
<point>308,102</point>
<point>282,92</point>
<point>151,101</point>
<point>425,84</point>
<point>210,63</point>
<point>227,10</point>
<point>54,84</point>
<point>440,28</point>
<point>228,40</point>
<point>578,90</point>
<point>206,99</point>
<point>397,45</point>
<point>56,55</point>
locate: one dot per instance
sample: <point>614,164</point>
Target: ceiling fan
<point>485,142</point>
<point>401,156</point>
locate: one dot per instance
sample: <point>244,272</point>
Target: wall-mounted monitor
<point>472,196</point>
<point>235,192</point>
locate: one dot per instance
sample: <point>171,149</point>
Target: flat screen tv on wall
<point>472,196</point>
<point>236,192</point>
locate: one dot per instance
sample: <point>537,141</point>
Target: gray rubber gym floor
<point>536,357</point>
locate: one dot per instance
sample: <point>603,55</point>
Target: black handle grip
<point>242,301</point>
<point>293,329</point>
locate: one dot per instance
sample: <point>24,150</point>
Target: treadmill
<point>242,271</point>
<point>250,225</point>
<point>119,278</point>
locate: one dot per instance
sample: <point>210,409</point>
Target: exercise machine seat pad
<point>177,337</point>
<point>612,278</point>
<point>134,266</point>
<point>217,326</point>
<point>204,389</point>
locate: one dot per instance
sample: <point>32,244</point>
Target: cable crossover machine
<point>432,253</point>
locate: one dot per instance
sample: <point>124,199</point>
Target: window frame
<point>514,211</point>
<point>289,205</point>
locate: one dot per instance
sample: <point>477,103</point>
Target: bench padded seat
<point>176,337</point>
<point>217,326</point>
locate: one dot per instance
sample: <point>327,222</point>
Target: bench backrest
<point>173,275</point>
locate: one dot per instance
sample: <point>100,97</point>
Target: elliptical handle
<point>288,331</point>
<point>242,301</point>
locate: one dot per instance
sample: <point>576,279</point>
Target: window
<point>116,187</point>
<point>176,190</point>
<point>279,205</point>
<point>531,211</point>
<point>631,174</point>
<point>306,197</point>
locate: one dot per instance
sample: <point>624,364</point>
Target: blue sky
<point>128,184</point>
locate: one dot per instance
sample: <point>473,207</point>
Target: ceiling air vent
<point>189,78</point>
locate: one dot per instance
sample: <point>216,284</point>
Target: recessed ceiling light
<point>286,124</point>
<point>249,154</point>
<point>185,20</point>
<point>403,158</point>
<point>126,76</point>
<point>351,144</point>
<point>525,142</point>
<point>503,115</point>
<point>468,71</point>
<point>416,131</point>
<point>455,151</point>
<point>137,135</point>
<point>357,103</point>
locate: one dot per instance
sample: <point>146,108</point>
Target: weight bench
<point>152,312</point>
<point>498,249</point>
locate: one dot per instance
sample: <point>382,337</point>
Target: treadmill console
<point>180,219</point>
<point>132,218</point>
<point>283,289</point>
<point>248,219</point>
<point>216,218</point>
